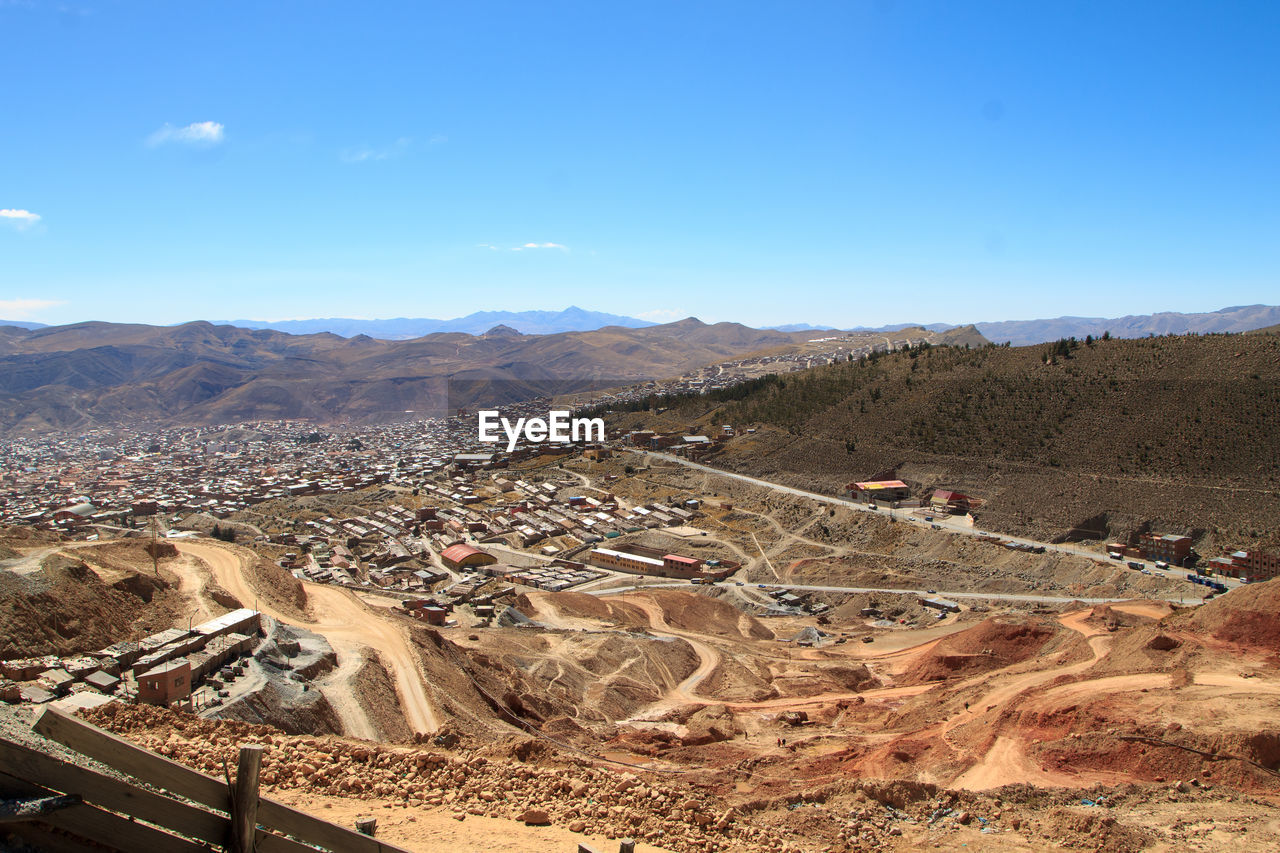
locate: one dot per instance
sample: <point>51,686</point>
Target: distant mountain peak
<point>502,331</point>
<point>571,319</point>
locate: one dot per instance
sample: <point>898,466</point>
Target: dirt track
<point>346,622</point>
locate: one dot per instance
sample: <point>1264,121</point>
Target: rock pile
<point>603,801</point>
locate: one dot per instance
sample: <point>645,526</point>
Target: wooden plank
<point>120,832</point>
<point>117,796</point>
<point>46,840</point>
<point>30,808</point>
<point>244,803</point>
<point>110,830</point>
<point>161,772</point>
<point>112,794</point>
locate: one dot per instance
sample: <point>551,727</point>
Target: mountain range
<point>110,374</point>
<point>571,319</point>
<point>1240,318</point>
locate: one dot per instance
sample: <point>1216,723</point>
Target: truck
<point>1135,565</point>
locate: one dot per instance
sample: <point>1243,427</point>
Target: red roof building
<point>459,556</point>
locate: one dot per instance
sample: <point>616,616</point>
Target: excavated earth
<point>679,719</point>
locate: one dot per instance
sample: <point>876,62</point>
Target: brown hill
<point>989,645</point>
<point>1248,617</point>
<point>1061,441</point>
<point>66,607</point>
<point>86,374</point>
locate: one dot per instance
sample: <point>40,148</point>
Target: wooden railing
<point>159,806</point>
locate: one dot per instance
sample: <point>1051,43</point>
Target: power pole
<point>155,549</point>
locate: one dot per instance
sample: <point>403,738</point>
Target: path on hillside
<point>347,623</point>
<point>1006,761</point>
<point>944,522</point>
<point>708,659</point>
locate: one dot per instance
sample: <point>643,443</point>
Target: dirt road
<point>950,524</point>
<point>708,658</point>
<point>346,622</point>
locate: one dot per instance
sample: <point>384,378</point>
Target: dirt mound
<point>1099,832</point>
<point>530,678</point>
<point>989,645</point>
<point>376,692</point>
<point>1248,617</point>
<point>1243,761</point>
<point>692,612</point>
<point>27,537</point>
<point>579,605</point>
<point>285,706</point>
<point>1110,619</point>
<point>160,550</point>
<point>734,680</point>
<point>66,607</point>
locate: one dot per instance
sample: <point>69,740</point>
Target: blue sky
<point>832,163</point>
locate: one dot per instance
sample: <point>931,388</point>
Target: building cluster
<point>161,669</point>
<point>1251,566</point>
<point>640,560</point>
<point>556,576</point>
<point>897,494</point>
<point>726,374</point>
<point>114,477</point>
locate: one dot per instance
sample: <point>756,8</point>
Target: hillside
<point>108,374</point>
<point>1101,440</point>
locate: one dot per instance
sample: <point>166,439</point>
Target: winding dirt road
<point>347,623</point>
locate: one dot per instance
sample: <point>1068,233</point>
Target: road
<point>997,596</point>
<point>348,624</point>
<point>951,524</point>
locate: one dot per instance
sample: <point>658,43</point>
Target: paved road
<point>951,524</point>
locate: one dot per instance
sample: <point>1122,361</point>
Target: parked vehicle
<point>1135,566</point>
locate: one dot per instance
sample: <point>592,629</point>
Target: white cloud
<point>21,309</point>
<point>197,133</point>
<point>19,218</point>
<point>562,247</point>
<point>367,154</point>
<point>559,246</point>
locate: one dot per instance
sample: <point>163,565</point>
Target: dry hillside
<point>1073,441</point>
<point>107,374</point>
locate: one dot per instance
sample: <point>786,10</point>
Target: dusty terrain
<point>786,537</point>
<point>711,719</point>
<point>63,598</point>
<point>1173,432</point>
<point>689,721</point>
<point>1123,727</point>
